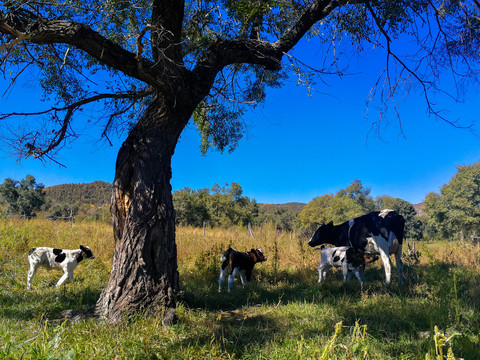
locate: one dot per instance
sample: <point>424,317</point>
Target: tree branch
<point>392,88</point>
<point>167,15</point>
<point>257,52</point>
<point>40,151</point>
<point>43,32</point>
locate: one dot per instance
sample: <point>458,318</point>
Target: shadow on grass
<point>395,315</point>
<point>48,302</point>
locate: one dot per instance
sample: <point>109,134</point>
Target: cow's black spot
<point>60,257</point>
<point>57,251</point>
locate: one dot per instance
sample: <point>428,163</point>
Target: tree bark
<point>144,272</point>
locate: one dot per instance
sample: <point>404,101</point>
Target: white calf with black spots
<point>344,257</point>
<point>50,258</point>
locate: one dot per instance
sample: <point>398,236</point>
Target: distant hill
<point>295,207</point>
<point>419,208</point>
<point>97,193</point>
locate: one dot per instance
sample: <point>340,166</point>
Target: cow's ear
<point>330,223</point>
<point>82,248</point>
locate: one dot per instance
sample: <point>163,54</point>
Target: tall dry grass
<point>283,314</point>
<point>284,250</point>
<point>201,248</point>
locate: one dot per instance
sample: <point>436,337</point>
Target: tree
<point>191,206</point>
<point>413,225</point>
<point>436,213</point>
<point>456,210</point>
<point>353,201</point>
<point>222,206</point>
<point>172,60</point>
<point>315,212</point>
<point>22,197</point>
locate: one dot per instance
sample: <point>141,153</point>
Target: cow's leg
<point>322,271</point>
<point>70,276</point>
<point>223,273</point>
<point>387,264</point>
<point>345,269</point>
<point>361,272</point>
<point>357,274</point>
<point>62,279</point>
<point>31,272</point>
<point>231,277</point>
<point>243,277</point>
<point>349,276</point>
<point>399,263</point>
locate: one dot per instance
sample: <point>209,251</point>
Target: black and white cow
<point>240,263</point>
<point>379,232</point>
<point>49,257</point>
<point>345,257</point>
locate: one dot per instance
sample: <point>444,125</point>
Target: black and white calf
<point>49,257</point>
<point>379,232</point>
<point>347,258</point>
<point>240,263</point>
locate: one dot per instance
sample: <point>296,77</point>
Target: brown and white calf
<point>49,257</point>
<point>349,259</point>
<point>241,263</point>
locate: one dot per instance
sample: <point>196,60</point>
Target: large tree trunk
<point>144,273</point>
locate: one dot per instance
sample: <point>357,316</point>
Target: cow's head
<point>322,235</point>
<point>87,251</point>
<point>369,258</point>
<point>259,255</point>
<point>355,257</point>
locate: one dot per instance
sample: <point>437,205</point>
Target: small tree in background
<point>315,212</point>
<point>413,225</point>
<point>219,206</point>
<point>22,197</point>
<point>455,212</point>
<point>353,201</point>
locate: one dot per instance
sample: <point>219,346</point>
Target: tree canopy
<point>219,206</point>
<point>116,53</point>
<point>455,211</point>
<point>353,201</point>
<point>22,197</point>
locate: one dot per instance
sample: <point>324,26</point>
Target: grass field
<point>283,314</point>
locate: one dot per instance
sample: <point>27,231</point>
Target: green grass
<point>283,314</point>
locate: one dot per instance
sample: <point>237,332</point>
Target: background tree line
<point>22,197</point>
<point>454,213</point>
<point>28,198</point>
<point>226,206</point>
<point>355,200</point>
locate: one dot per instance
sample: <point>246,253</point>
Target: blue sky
<point>297,146</point>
